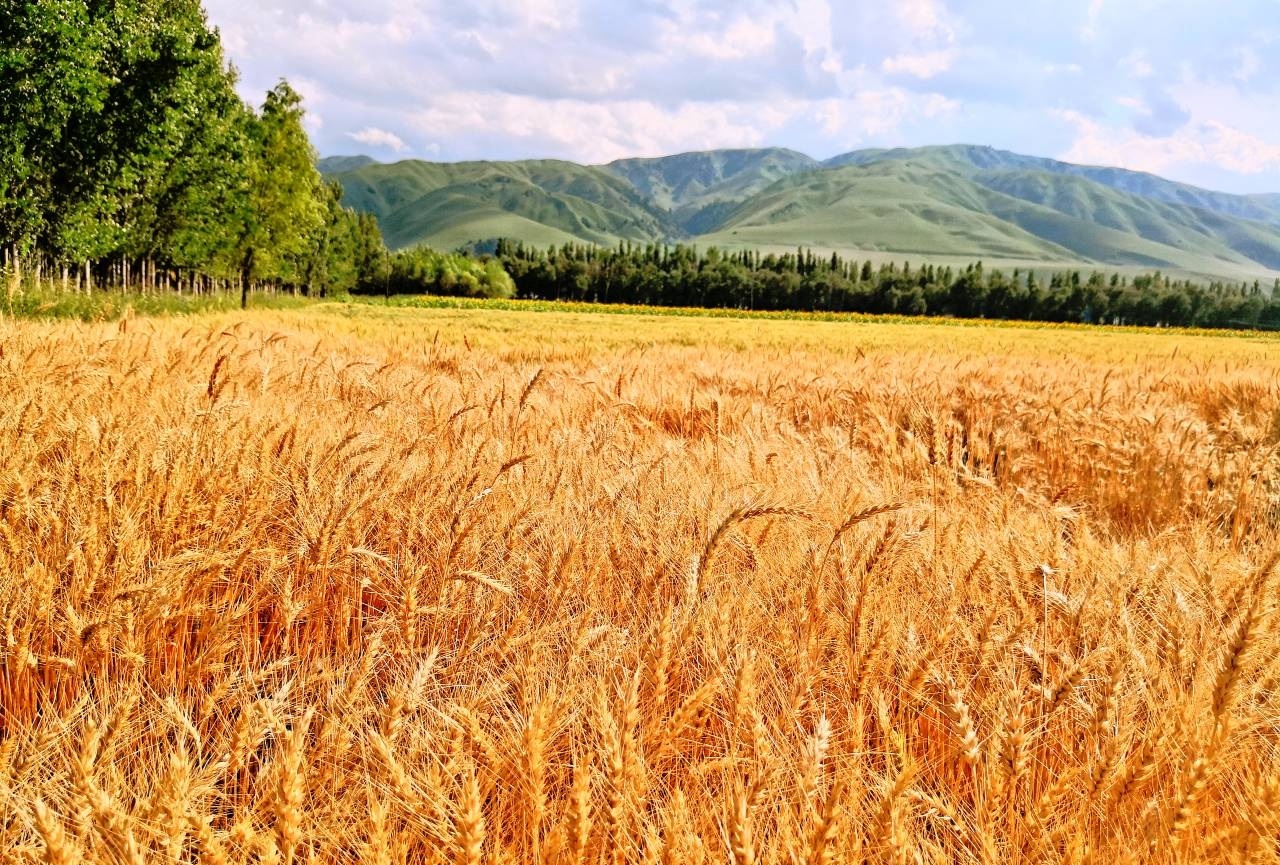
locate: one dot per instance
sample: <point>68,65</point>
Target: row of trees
<point>660,275</point>
<point>424,270</point>
<point>126,156</point>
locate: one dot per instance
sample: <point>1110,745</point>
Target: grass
<point>112,305</point>
<point>433,302</point>
<point>350,583</point>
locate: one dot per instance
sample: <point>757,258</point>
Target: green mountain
<point>698,189</point>
<point>956,202</point>
<point>337,164</point>
<point>886,207</point>
<point>964,158</point>
<point>450,205</point>
<point>1184,228</point>
<point>968,159</point>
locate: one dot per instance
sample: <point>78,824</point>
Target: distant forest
<point>659,275</point>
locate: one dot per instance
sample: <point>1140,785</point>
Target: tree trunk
<point>246,271</point>
<point>15,272</point>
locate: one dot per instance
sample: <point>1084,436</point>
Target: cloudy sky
<point>1184,88</point>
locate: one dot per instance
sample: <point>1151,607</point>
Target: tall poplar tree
<point>123,140</point>
<point>284,209</point>
<point>51,59</point>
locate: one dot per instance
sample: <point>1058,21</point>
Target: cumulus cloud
<point>926,19</point>
<point>1208,142</point>
<point>1137,65</point>
<point>591,131</point>
<point>591,80</point>
<point>874,113</point>
<point>923,66</point>
<point>1249,66</point>
<point>1092,18</point>
<point>379,138</point>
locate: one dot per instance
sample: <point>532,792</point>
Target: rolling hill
<point>954,202</point>
<point>449,205</point>
<point>698,189</point>
<point>969,159</point>
<point>338,164</point>
<point>886,207</point>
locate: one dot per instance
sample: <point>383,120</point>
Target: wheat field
<point>346,585</point>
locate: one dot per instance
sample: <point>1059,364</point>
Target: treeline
<point>658,275</point>
<point>128,159</point>
<point>423,270</point>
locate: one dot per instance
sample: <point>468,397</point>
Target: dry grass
<point>429,587</point>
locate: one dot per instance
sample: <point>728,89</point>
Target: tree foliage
<point>659,275</point>
<point>123,140</point>
<point>424,270</point>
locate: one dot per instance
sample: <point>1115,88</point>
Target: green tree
<point>283,209</point>
<point>372,261</point>
<point>51,59</point>
<point>113,130</point>
<point>199,206</point>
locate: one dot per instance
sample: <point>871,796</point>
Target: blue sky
<point>1188,90</point>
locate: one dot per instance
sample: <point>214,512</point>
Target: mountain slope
<point>969,159</point>
<point>924,208</point>
<point>891,208</point>
<point>695,187</point>
<point>1184,228</point>
<point>451,204</point>
<point>337,164</point>
<point>949,202</point>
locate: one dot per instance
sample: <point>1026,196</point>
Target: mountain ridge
<point>949,200</point>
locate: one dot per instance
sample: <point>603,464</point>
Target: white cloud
<point>1250,65</point>
<point>1137,65</point>
<point>813,21</point>
<point>374,137</point>
<point>922,66</point>
<point>1135,105</point>
<point>1208,142</point>
<point>600,131</point>
<point>745,37</point>
<point>483,46</point>
<point>874,113</point>
<point>1090,29</point>
<point>544,14</point>
<point>593,79</point>
<point>926,20</point>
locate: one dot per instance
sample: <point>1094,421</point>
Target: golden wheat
<point>314,587</point>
